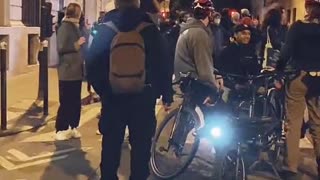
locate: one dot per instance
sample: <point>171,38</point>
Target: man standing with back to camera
<point>129,71</point>
<point>302,49</point>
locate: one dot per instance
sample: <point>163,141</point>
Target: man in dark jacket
<point>238,58</point>
<point>137,111</point>
<point>301,51</point>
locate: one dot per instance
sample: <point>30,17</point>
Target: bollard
<point>3,69</point>
<point>44,75</point>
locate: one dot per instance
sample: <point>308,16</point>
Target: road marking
<point>6,164</point>
<point>23,157</point>
<point>35,163</point>
<point>49,157</point>
<point>50,136</point>
<point>19,155</point>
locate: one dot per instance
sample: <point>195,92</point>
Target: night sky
<point>237,4</point>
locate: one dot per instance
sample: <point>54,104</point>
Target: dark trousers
<point>302,92</point>
<point>138,113</point>
<point>70,105</point>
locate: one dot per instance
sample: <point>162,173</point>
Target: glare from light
<point>216,132</point>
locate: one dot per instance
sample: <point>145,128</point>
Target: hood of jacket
<point>193,23</point>
<point>127,19</point>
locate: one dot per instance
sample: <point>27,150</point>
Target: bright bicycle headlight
<point>216,132</point>
<point>219,129</point>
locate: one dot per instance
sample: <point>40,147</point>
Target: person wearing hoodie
<point>301,51</point>
<point>194,51</point>
<point>218,35</point>
<point>135,110</point>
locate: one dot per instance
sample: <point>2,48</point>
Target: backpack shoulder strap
<point>143,25</point>
<point>112,26</point>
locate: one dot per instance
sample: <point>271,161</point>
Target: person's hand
<point>220,83</point>
<point>166,107</point>
<point>208,101</point>
<point>81,40</point>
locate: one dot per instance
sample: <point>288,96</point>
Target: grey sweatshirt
<point>194,52</point>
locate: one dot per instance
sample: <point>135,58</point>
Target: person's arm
<point>97,60</point>
<point>202,54</point>
<point>275,38</point>
<point>157,53</point>
<point>64,46</point>
<point>288,47</point>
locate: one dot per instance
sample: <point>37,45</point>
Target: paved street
<point>36,156</point>
<point>23,111</point>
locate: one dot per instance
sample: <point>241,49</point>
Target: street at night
<point>201,89</point>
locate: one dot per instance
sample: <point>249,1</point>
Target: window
<point>294,15</point>
<point>31,12</point>
<point>289,15</point>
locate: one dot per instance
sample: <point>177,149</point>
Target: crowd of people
<point>131,58</point>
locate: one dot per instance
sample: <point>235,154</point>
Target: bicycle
<point>268,138</point>
<point>234,157</point>
<point>185,119</point>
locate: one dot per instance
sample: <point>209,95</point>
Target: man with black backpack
<point>127,66</point>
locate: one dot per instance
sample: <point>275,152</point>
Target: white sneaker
<point>63,135</point>
<point>75,133</point>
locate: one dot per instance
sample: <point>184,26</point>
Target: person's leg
<point>112,126</point>
<point>142,125</point>
<point>295,105</point>
<point>75,103</point>
<point>313,104</point>
<point>63,113</point>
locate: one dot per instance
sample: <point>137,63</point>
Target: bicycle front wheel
<point>178,140</point>
<point>233,167</point>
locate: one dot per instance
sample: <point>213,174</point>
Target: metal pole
<point>44,62</point>
<point>3,69</point>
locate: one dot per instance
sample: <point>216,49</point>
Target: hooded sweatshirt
<point>194,52</point>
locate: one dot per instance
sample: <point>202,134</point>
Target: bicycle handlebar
<point>269,74</point>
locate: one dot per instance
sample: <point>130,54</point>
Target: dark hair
<point>272,18</point>
<point>72,10</point>
<point>199,13</point>
<point>314,12</point>
<point>82,21</point>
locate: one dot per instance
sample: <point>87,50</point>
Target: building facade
<point>295,9</point>
<point>19,21</point>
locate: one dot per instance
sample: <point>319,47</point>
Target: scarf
<point>75,21</point>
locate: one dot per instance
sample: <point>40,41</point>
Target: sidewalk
<point>24,112</point>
